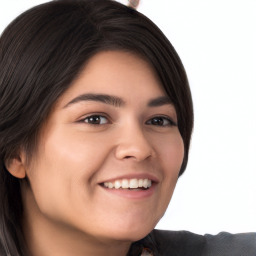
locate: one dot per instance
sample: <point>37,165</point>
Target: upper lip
<point>133,176</point>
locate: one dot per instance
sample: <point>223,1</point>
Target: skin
<point>66,210</point>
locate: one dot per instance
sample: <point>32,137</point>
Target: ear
<point>16,166</point>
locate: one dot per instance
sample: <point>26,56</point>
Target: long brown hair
<point>41,53</point>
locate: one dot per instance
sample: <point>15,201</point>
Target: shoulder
<point>184,243</point>
<point>224,243</point>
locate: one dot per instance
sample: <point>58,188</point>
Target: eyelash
<point>163,119</point>
<point>98,117</point>
<point>156,119</point>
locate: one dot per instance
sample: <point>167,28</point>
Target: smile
<point>129,184</point>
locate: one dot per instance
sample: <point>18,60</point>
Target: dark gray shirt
<point>183,243</point>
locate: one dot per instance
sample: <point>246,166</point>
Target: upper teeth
<point>131,183</point>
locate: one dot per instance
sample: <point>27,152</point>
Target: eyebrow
<point>116,101</point>
<point>104,98</point>
<point>160,101</point>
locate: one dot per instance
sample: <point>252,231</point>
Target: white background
<point>216,40</point>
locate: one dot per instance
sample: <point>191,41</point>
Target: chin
<point>133,233</point>
<point>135,227</point>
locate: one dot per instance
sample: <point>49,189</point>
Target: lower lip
<point>132,194</point>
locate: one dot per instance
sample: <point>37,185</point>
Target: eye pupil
<point>94,120</point>
<point>157,121</point>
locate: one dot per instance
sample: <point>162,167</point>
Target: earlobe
<point>16,167</point>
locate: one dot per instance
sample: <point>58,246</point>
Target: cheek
<point>77,151</point>
<point>64,172</point>
<point>171,153</point>
<point>73,162</point>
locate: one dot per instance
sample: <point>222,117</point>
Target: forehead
<point>116,73</point>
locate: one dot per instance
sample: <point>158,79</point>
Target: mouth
<point>128,184</point>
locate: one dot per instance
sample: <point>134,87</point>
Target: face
<point>109,154</point>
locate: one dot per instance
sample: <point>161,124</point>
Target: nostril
<point>135,146</point>
<point>128,157</point>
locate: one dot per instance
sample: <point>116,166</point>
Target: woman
<point>96,120</point>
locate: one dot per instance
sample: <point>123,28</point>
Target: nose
<point>133,144</point>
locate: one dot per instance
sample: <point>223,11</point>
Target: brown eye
<point>96,119</point>
<point>160,121</point>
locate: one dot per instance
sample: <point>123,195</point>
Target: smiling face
<point>109,154</point>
